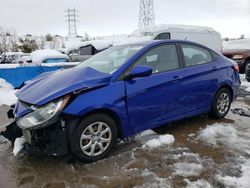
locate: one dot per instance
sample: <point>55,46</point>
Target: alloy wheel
<point>223,103</point>
<point>95,139</point>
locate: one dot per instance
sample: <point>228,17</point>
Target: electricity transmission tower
<point>146,15</point>
<point>71,15</point>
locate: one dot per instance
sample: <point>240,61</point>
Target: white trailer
<point>203,35</point>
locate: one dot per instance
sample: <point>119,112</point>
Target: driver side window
<point>160,59</point>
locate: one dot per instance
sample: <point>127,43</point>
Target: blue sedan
<point>120,92</point>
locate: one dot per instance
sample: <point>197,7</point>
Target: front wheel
<point>221,103</point>
<point>94,138</point>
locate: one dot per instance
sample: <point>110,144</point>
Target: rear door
<point>200,78</point>
<point>155,100</point>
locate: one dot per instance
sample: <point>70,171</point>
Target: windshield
<point>108,61</point>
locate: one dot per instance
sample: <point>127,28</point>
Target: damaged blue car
<point>120,92</point>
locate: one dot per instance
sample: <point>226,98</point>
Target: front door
<point>154,100</point>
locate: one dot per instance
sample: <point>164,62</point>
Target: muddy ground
<point>189,162</point>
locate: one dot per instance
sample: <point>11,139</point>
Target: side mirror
<point>139,71</point>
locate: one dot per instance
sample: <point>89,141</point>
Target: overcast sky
<point>107,17</point>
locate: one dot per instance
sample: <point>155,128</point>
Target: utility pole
<point>71,15</point>
<point>146,14</point>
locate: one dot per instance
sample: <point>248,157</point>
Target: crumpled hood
<point>51,85</point>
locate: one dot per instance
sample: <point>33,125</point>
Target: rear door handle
<point>177,78</point>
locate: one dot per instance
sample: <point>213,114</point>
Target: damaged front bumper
<point>52,139</point>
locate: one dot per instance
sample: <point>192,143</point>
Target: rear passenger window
<point>160,59</point>
<point>194,55</point>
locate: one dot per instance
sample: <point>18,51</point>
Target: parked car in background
<point>240,56</point>
<point>21,58</point>
<point>84,50</point>
<point>239,51</point>
<point>39,57</point>
<point>120,92</point>
<point>11,57</point>
<point>202,35</point>
<point>24,60</point>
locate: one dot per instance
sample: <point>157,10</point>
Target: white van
<point>203,35</point>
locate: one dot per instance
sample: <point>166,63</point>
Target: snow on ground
<point>198,184</point>
<point>218,133</point>
<point>18,145</point>
<point>7,93</point>
<point>239,141</point>
<point>243,181</point>
<point>161,140</point>
<point>244,82</point>
<point>187,169</point>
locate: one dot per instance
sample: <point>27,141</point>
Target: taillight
<point>236,67</point>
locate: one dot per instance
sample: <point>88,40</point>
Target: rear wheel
<point>94,138</point>
<point>221,104</point>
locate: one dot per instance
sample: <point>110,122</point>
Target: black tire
<point>75,142</point>
<point>215,111</point>
<point>247,62</point>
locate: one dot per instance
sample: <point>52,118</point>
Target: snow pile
<point>240,44</point>
<point>236,140</point>
<point>154,143</point>
<point>153,180</point>
<point>244,82</point>
<point>187,169</point>
<point>39,56</point>
<point>217,133</point>
<point>242,181</point>
<point>7,93</point>
<point>3,140</point>
<point>18,145</point>
<point>162,140</point>
<point>197,184</point>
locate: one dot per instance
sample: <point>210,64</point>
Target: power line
<point>71,15</point>
<point>146,14</point>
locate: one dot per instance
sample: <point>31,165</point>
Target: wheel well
<point>230,90</point>
<point>109,113</point>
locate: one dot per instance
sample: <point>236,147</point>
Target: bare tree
<point>8,40</point>
<point>14,41</point>
<point>41,42</point>
<point>3,40</point>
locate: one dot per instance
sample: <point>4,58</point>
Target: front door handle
<point>177,78</point>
